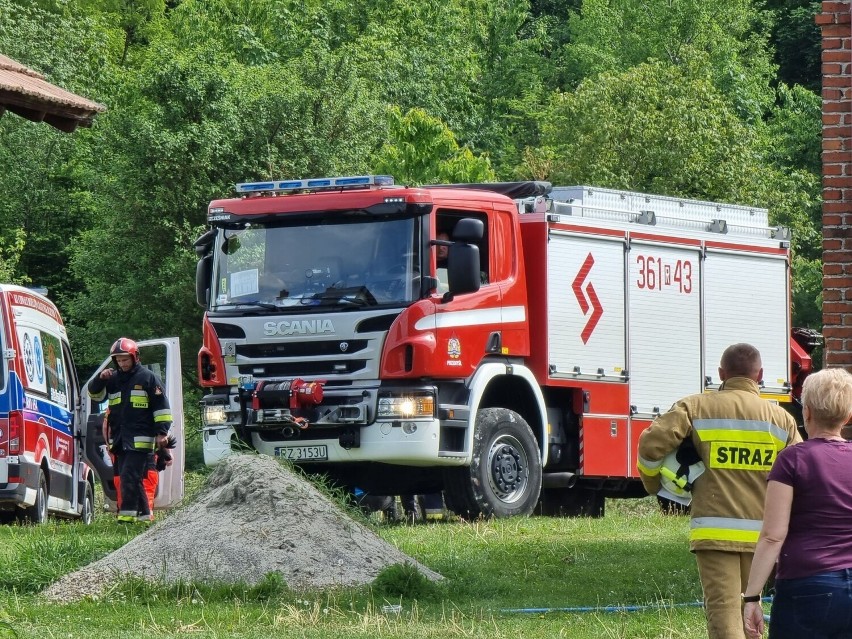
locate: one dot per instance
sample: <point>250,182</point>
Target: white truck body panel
<point>664,325</point>
<point>673,292</point>
<point>603,352</point>
<point>754,311</point>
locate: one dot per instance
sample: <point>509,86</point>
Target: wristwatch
<point>750,598</point>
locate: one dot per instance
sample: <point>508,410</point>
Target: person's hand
<point>753,620</point>
<point>161,440</point>
<point>107,373</point>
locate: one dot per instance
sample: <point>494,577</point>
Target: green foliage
<point>422,150</point>
<point>43,209</point>
<point>403,581</point>
<point>798,41</point>
<point>795,130</point>
<point>654,128</point>
<point>729,36</point>
<point>11,253</point>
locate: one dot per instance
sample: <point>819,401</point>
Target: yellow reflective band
<point>114,401</point>
<point>144,445</point>
<point>775,397</point>
<point>651,472</point>
<point>723,534</point>
<point>745,436</point>
<point>163,418</point>
<point>139,402</point>
<point>742,456</point>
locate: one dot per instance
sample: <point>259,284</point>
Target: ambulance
<point>51,446</point>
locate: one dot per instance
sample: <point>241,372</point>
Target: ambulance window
<point>70,375</point>
<point>56,373</point>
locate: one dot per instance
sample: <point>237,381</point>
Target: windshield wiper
<point>355,296</point>
<point>256,303</point>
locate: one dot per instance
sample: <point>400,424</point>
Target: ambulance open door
<point>162,356</point>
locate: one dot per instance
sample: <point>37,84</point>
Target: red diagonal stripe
<point>577,286</point>
<point>596,313</point>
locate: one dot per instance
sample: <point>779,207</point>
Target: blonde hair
<point>828,395</point>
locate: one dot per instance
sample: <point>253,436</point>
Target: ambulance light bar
<point>314,184</point>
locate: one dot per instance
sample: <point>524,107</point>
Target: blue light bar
<point>315,184</point>
<point>256,186</point>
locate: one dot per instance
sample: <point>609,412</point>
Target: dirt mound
<point>251,518</point>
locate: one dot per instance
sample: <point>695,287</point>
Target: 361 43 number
<point>655,274</point>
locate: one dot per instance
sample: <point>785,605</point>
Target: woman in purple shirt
<point>807,524</point>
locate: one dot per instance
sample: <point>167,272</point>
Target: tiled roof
<point>27,93</point>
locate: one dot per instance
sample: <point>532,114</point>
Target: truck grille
<point>302,349</point>
<point>303,368</point>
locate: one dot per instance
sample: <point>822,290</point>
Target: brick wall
<point>836,28</point>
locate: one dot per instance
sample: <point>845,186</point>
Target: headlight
<point>406,406</point>
<point>213,415</point>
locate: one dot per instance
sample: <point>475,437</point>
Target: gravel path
<point>252,517</point>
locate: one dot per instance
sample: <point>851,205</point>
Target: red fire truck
<point>518,371</point>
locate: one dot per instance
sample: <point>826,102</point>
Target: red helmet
<point>125,346</point>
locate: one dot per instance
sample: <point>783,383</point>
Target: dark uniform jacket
<point>138,408</point>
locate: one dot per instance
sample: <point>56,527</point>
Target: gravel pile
<point>251,518</point>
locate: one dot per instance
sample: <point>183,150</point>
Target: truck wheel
<point>504,476</point>
<point>37,513</point>
<point>87,513</point>
<point>576,501</point>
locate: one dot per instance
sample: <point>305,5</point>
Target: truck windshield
<point>341,262</point>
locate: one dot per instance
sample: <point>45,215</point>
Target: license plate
<point>4,471</point>
<point>302,453</point>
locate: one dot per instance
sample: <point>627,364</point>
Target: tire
<point>37,513</point>
<point>504,476</point>
<point>87,512</point>
<point>576,501</point>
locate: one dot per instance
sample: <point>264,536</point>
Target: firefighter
<point>737,435</point>
<point>139,419</point>
<point>157,462</point>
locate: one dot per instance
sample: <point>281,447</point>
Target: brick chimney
<point>836,24</point>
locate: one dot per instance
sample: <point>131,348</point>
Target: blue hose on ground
<point>628,608</point>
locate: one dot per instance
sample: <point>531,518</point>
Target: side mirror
<point>468,230</point>
<point>203,273</point>
<point>463,267</point>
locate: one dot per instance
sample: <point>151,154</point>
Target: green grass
<point>633,556</point>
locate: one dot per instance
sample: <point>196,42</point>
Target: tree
<point>422,150</point>
<point>656,128</point>
<point>729,37</point>
<point>668,129</point>
<point>44,206</point>
<point>188,125</point>
<point>797,41</point>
